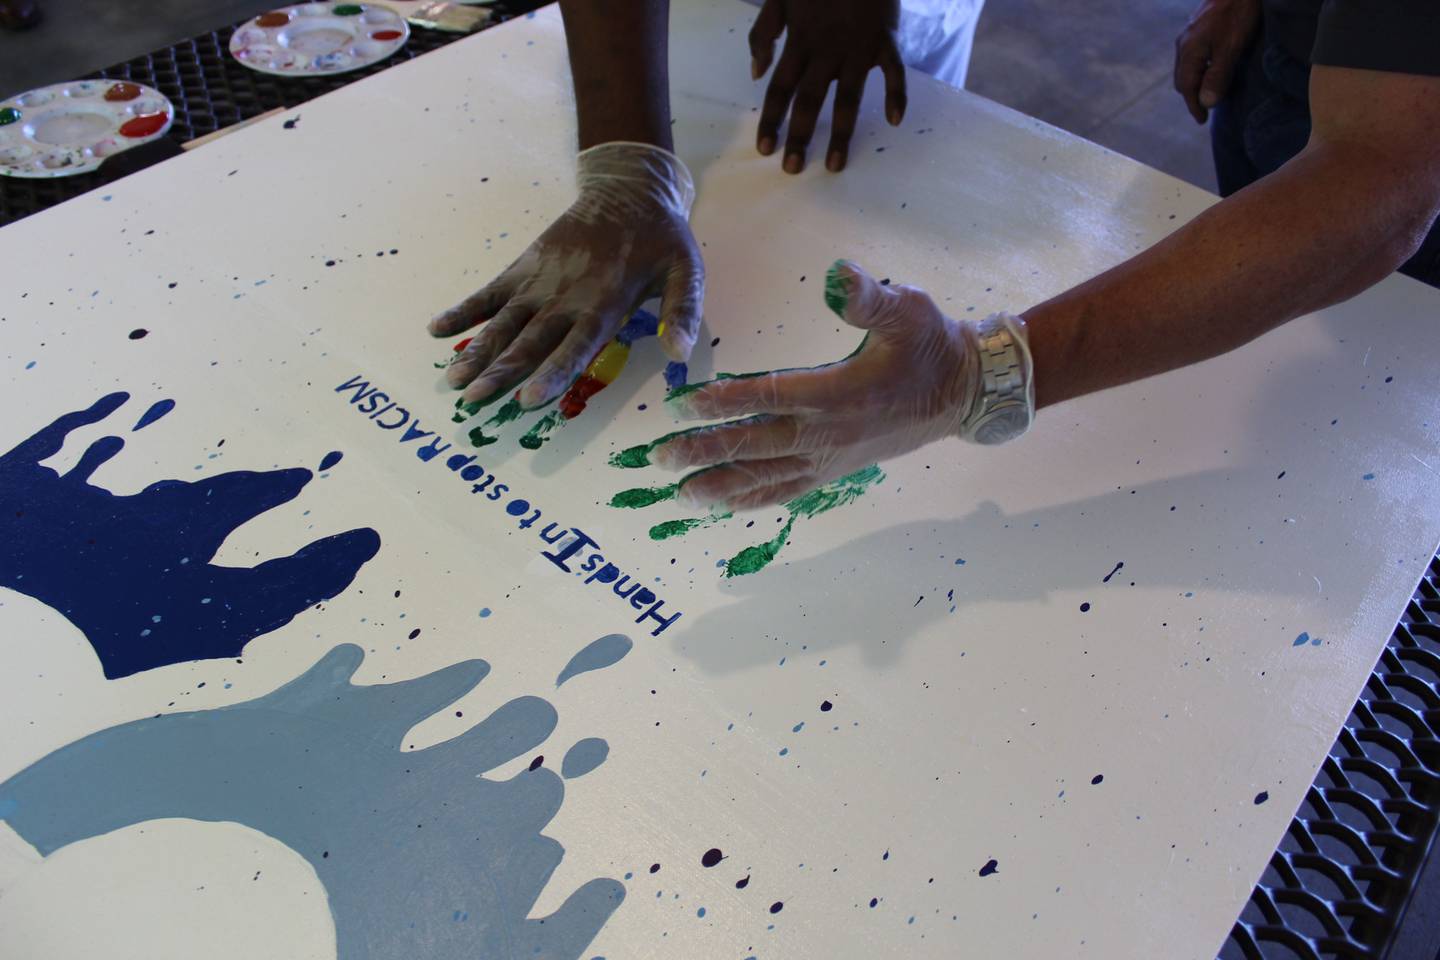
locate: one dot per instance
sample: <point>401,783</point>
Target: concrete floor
<point>1100,69</point>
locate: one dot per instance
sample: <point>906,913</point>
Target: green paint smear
<point>678,528</point>
<point>836,493</point>
<point>478,438</point>
<point>632,458</point>
<point>837,293</point>
<point>644,496</point>
<point>757,558</point>
<point>538,434</point>
<point>511,411</point>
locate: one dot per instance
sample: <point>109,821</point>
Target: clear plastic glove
<point>914,380</point>
<point>625,239</point>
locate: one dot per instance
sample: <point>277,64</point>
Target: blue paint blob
<point>700,913</point>
<point>109,563</point>
<point>402,840</point>
<point>583,757</point>
<point>517,507</point>
<point>676,374</point>
<point>605,652</point>
<point>1301,640</point>
<point>484,612</point>
<point>157,410</point>
<point>990,867</point>
<point>30,365</point>
<point>1368,476</point>
<point>330,459</point>
<point>1261,797</point>
<point>641,324</point>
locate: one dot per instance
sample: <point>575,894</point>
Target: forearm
<point>1318,231</point>
<point>619,59</point>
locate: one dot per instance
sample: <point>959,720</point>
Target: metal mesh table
<point>1343,883</point>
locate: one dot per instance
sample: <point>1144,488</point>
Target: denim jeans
<point>1265,120</point>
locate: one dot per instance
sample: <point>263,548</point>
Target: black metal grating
<point>211,90</point>
<point>1346,870</point>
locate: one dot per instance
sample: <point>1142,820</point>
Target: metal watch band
<point>1006,406</point>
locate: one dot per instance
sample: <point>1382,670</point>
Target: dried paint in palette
<point>318,39</point>
<point>71,128</point>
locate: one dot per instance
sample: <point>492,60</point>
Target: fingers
<point>894,69</point>
<point>586,338</point>
<point>1192,53</point>
<point>861,301</point>
<point>681,308</point>
<point>809,100</point>
<point>485,346</point>
<point>849,90</point>
<point>773,494</point>
<point>1218,75</point>
<point>724,484</point>
<point>541,335</point>
<point>779,392</point>
<point>483,303</point>
<point>777,98</point>
<point>767,29</point>
<point>753,438</point>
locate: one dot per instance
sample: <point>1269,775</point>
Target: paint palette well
<point>70,128</point>
<point>316,39</point>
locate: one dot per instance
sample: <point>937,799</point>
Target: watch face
<point>1004,422</point>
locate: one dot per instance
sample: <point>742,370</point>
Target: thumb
<point>681,303</point>
<point>858,298</point>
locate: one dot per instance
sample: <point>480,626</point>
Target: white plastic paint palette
<point>314,39</point>
<point>70,128</point>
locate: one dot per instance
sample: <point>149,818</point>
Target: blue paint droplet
<point>330,459</point>
<point>584,757</point>
<point>30,365</point>
<point>1301,640</point>
<point>597,655</point>
<point>990,867</point>
<point>157,410</point>
<point>700,912</point>
<point>1368,476</point>
<point>1097,779</point>
<point>1261,797</point>
<point>784,751</point>
<point>798,727</point>
<point>959,562</point>
<point>484,612</point>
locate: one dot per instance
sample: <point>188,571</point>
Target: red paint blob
<point>385,35</point>
<point>463,344</point>
<point>144,126</point>
<point>121,92</point>
<point>573,403</point>
<point>275,18</point>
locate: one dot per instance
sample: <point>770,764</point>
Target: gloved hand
<point>625,239</point>
<point>914,380</point>
<point>828,41</point>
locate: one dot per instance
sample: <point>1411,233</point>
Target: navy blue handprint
<point>133,573</point>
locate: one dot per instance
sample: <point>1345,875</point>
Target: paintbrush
<point>439,15</point>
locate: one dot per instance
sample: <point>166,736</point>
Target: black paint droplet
<point>873,902</point>
<point>654,868</point>
<point>1261,797</point>
<point>414,633</point>
<point>138,333</point>
<point>715,342</point>
<point>777,906</point>
<point>1096,779</point>
<point>329,263</point>
<point>535,764</point>
<point>742,884</point>
<point>990,867</point>
<point>1280,475</point>
<point>1085,608</point>
<point>826,706</point>
<point>711,857</point>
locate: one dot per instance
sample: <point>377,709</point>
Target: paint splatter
<point>1305,638</point>
<point>711,857</point>
<point>1085,607</point>
<point>1097,779</point>
<point>743,882</point>
<point>1368,476</point>
<point>536,436</point>
<point>991,867</point>
<point>777,906</point>
<point>826,706</point>
<point>836,493</point>
<point>133,573</point>
<point>644,496</point>
<point>583,757</point>
<point>676,373</point>
<point>1118,567</point>
<point>330,459</point>
<point>401,839</point>
<point>157,410</point>
<point>597,655</point>
<point>139,333</point>
<point>1261,797</point>
<point>678,528</point>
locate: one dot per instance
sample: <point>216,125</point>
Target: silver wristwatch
<point>1006,406</point>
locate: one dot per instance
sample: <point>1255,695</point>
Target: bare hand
<point>1209,49</point>
<point>830,41</point>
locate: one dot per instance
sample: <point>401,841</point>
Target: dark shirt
<point>1397,36</point>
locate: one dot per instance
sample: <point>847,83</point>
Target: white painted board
<point>1286,488</point>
